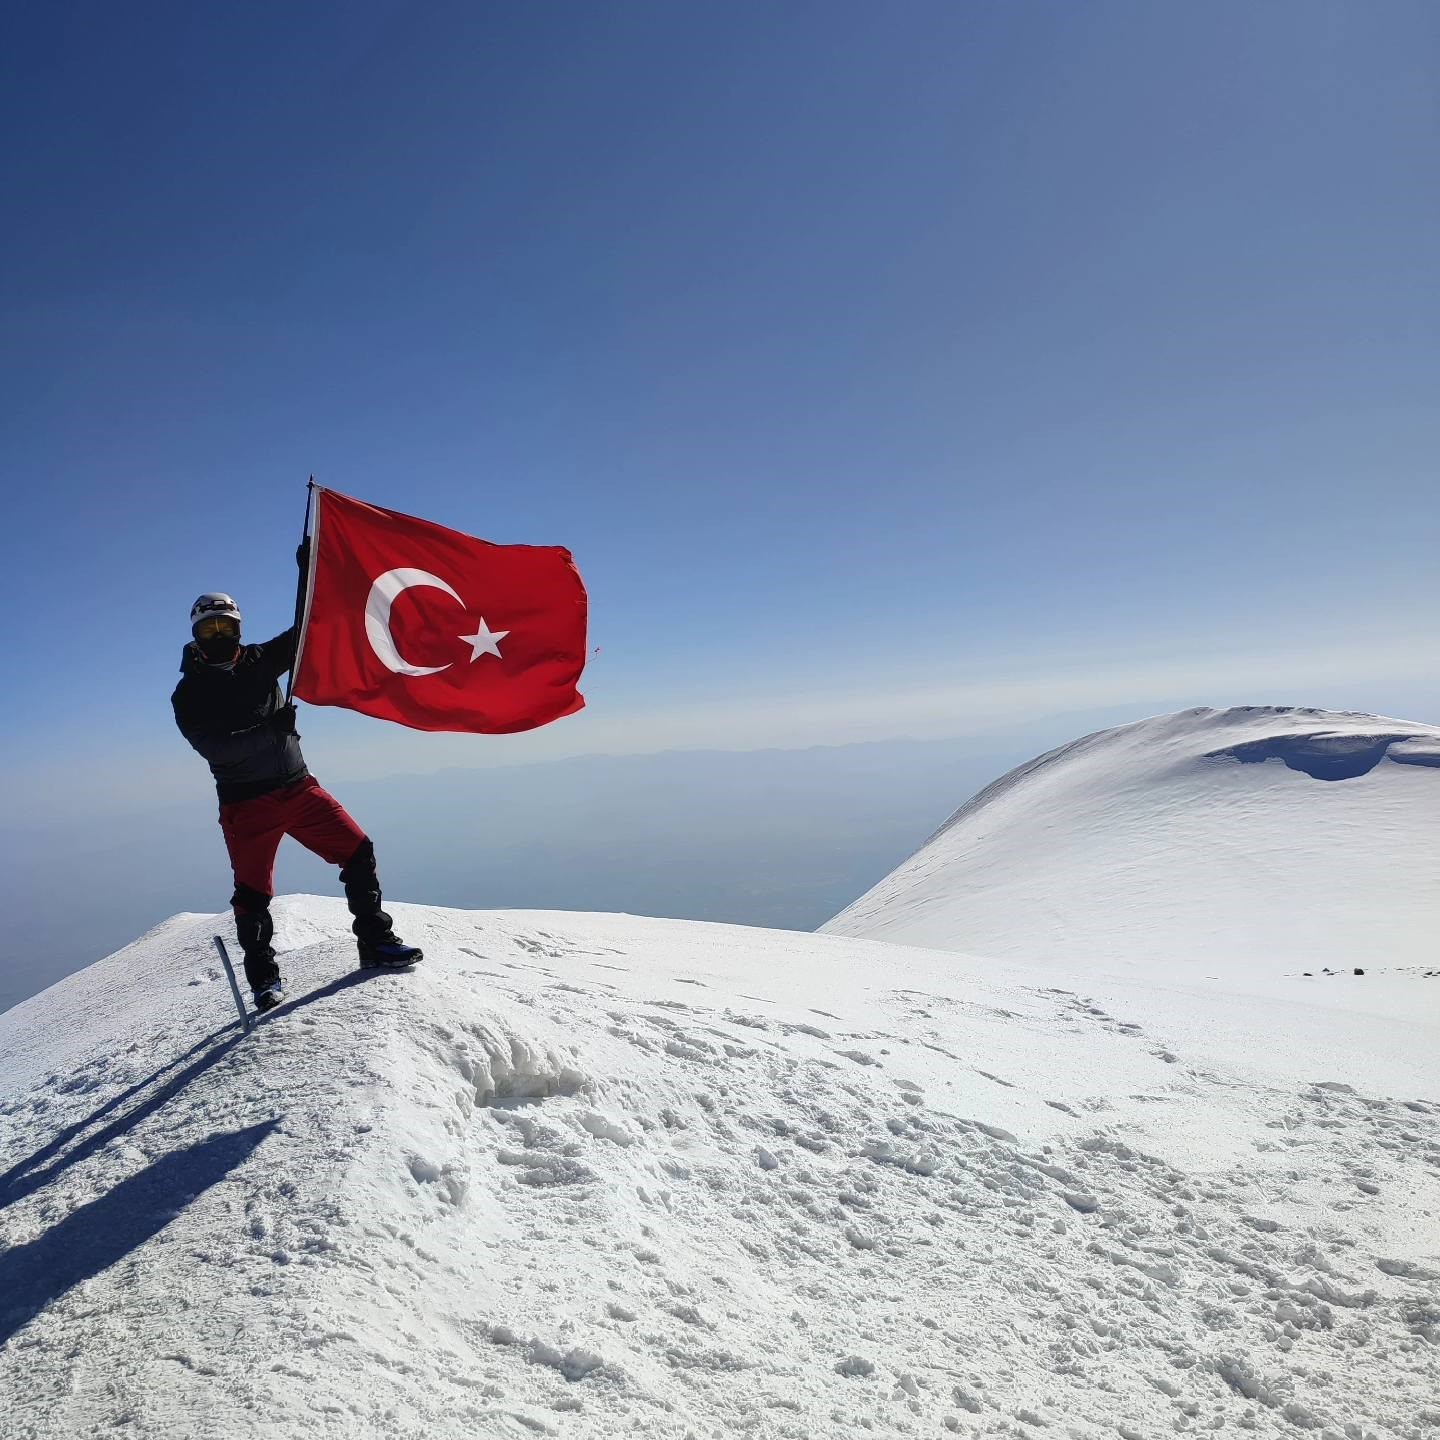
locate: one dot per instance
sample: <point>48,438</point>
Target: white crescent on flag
<point>382,596</point>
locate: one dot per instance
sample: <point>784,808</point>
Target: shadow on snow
<point>103,1232</point>
<point>98,1235</point>
<point>23,1178</point>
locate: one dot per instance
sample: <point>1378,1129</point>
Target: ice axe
<point>246,1019</point>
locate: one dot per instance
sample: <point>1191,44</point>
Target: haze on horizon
<point>957,375</point>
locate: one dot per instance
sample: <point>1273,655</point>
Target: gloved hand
<point>283,720</point>
<point>302,553</point>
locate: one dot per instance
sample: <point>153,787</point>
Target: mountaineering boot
<point>379,945</point>
<point>390,954</point>
<point>269,997</point>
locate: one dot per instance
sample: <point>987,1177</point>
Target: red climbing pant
<point>253,831</point>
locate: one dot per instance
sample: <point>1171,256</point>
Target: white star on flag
<point>484,641</point>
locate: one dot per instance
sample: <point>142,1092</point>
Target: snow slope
<point>1243,844</point>
<point>591,1175</point>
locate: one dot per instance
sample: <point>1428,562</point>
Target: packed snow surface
<point>591,1175</point>
<point>1234,843</point>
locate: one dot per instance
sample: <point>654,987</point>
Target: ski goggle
<point>216,625</point>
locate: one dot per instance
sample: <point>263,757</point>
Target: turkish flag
<point>411,622</point>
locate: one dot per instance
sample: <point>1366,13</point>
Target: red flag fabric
<point>411,622</point>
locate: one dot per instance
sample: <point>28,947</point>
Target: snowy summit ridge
<point>1254,840</point>
<point>594,1175</point>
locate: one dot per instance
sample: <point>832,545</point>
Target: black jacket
<point>229,714</point>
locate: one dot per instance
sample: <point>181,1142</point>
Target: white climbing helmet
<point>211,606</point>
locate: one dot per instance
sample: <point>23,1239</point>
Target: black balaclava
<point>217,649</point>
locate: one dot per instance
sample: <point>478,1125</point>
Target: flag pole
<point>302,588</point>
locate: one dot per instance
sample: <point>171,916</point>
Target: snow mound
<point>590,1176</point>
<point>1241,841</point>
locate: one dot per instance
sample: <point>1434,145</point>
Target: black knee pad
<point>251,901</point>
<point>253,926</point>
<point>360,867</point>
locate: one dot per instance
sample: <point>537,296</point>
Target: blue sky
<point>889,369</point>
